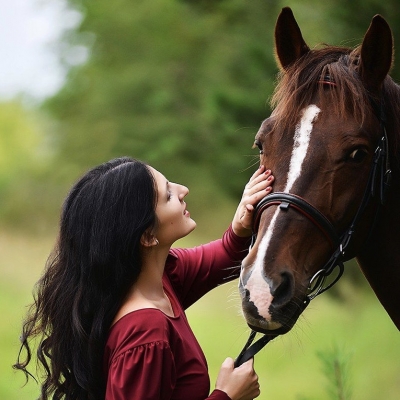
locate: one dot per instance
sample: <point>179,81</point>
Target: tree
<point>25,155</point>
<point>183,84</point>
<point>178,85</point>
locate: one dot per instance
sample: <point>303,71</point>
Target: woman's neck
<point>153,265</point>
<point>148,291</point>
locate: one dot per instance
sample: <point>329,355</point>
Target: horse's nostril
<point>283,289</point>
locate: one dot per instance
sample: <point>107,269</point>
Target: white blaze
<point>302,136</point>
<point>259,289</point>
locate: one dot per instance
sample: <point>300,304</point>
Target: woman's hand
<point>239,383</point>
<point>258,187</point>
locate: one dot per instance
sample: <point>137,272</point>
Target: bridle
<point>377,185</point>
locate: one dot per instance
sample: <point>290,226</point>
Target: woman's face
<point>174,220</point>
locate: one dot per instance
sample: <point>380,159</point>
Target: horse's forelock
<point>299,84</point>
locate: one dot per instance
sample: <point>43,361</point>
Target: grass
<point>290,368</point>
<point>21,261</point>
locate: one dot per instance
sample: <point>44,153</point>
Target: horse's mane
<point>298,84</point>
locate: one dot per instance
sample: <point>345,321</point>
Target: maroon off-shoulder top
<point>151,356</point>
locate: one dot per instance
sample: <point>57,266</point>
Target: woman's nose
<point>183,191</point>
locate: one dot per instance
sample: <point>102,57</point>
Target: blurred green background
<point>183,85</point>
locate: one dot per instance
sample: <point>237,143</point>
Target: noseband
<point>378,183</point>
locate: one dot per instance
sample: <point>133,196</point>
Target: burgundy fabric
<point>151,356</point>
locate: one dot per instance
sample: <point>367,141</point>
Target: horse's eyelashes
<point>258,144</point>
<point>358,155</point>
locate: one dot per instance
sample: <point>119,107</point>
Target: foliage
<point>171,83</point>
<point>336,365</point>
<point>356,16</point>
<point>182,84</point>
<point>26,153</point>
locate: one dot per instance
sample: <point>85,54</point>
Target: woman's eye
<point>259,145</point>
<point>358,155</point>
<point>169,195</point>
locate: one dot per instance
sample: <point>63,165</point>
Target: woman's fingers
<point>258,187</point>
<point>258,176</point>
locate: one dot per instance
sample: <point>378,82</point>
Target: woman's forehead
<point>160,179</point>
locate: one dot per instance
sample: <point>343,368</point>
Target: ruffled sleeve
<point>149,356</point>
<point>144,372</point>
<point>218,395</point>
<point>138,359</point>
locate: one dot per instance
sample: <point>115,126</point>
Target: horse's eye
<point>358,155</point>
<point>259,145</point>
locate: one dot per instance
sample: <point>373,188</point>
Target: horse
<point>332,142</point>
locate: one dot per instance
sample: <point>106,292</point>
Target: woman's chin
<point>193,227</point>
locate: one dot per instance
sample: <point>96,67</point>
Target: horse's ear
<point>376,53</point>
<point>289,42</point>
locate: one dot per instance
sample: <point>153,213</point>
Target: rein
<point>378,183</point>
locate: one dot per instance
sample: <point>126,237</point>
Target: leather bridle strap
<point>380,174</point>
<point>286,200</point>
<point>378,182</point>
<point>250,350</point>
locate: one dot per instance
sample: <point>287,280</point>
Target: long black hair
<point>95,261</point>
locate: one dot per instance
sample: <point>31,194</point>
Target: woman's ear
<point>148,240</point>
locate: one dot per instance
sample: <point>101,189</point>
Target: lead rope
<point>250,350</point>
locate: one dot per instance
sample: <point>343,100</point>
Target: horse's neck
<point>380,258</point>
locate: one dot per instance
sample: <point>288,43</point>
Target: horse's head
<point>319,142</point>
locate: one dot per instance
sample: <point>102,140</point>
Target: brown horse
<point>332,143</point>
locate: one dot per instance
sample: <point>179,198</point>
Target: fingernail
<point>269,179</point>
<point>268,189</point>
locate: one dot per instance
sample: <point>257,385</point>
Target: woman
<point>109,309</point>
